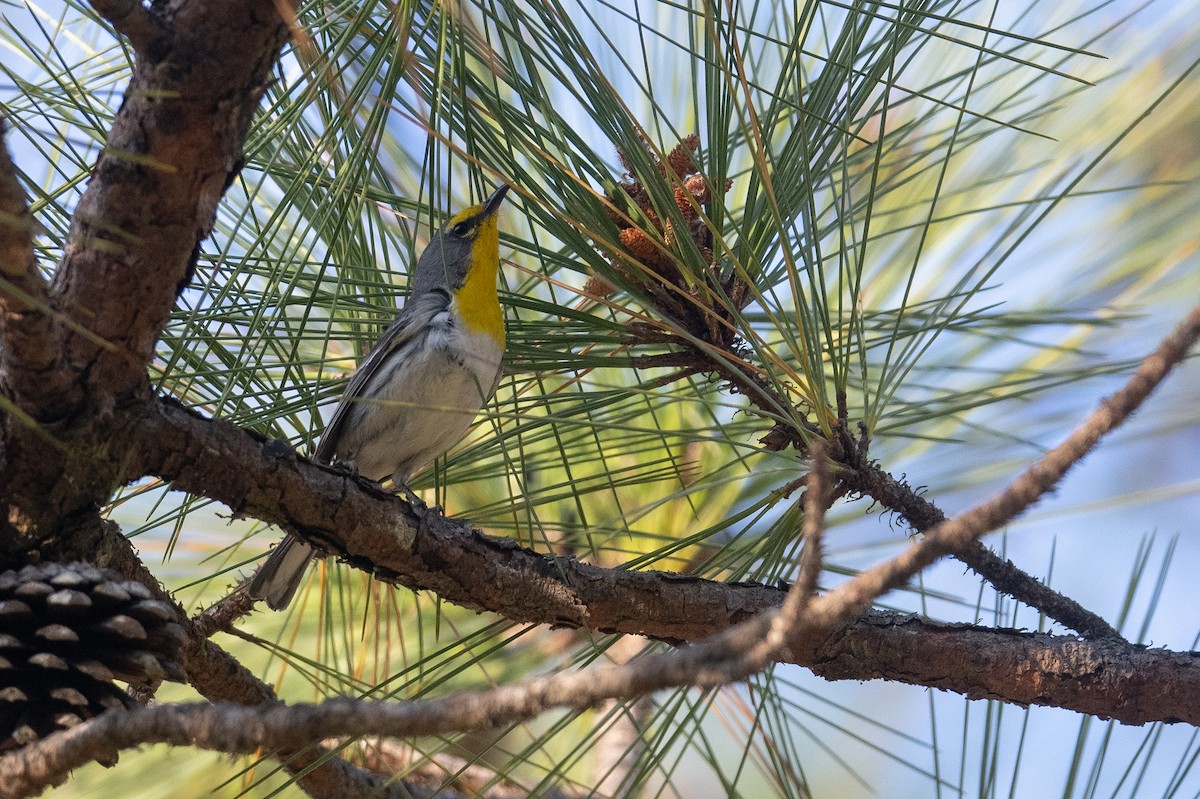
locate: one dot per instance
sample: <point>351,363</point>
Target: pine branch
<point>859,474</point>
<point>79,348</point>
<point>424,550</point>
<point>862,476</point>
<point>959,532</point>
<point>1004,575</point>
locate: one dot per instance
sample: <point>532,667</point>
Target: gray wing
<point>413,320</point>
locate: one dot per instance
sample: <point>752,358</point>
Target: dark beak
<point>492,203</point>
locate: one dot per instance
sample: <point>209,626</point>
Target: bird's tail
<point>278,578</point>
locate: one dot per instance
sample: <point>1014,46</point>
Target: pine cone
<point>68,631</point>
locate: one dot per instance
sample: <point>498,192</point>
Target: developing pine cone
<point>652,247</point>
<point>703,306</point>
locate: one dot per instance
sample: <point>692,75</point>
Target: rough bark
<point>76,353</point>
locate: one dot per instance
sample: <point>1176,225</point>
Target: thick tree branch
<point>77,352</point>
<point>1109,678</point>
<point>381,533</point>
<point>175,145</point>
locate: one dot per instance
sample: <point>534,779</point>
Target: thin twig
<point>814,528</point>
<point>789,623</point>
<point>225,612</point>
<point>661,359</point>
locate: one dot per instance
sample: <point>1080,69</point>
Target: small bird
<point>422,385</point>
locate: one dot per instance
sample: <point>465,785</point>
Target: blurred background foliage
<point>958,215</point>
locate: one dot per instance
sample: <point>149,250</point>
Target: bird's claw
<point>419,505</point>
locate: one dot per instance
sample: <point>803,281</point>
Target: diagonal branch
<point>1004,575</point>
<point>867,478</point>
<point>862,476</point>
<point>959,532</point>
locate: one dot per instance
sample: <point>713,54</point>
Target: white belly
<point>410,415</point>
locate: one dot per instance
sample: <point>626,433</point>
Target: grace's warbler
<point>418,391</point>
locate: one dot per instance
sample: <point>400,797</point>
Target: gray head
<point>468,238</point>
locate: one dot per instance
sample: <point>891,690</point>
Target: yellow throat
<point>476,302</point>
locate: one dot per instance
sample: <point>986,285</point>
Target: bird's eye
<point>463,229</point>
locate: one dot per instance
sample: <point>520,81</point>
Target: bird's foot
<point>345,467</point>
<point>419,505</point>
